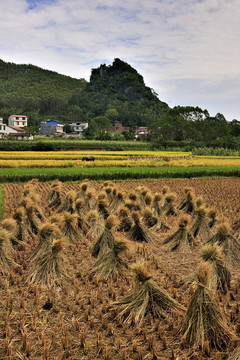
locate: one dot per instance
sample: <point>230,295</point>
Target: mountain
<point>120,87</point>
<point>113,89</point>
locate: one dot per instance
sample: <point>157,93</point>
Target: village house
<point>18,120</point>
<point>78,127</point>
<point>16,132</point>
<point>141,132</point>
<point>51,127</point>
<point>3,131</point>
<point>119,129</point>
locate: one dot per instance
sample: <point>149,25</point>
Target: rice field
<point>120,270</point>
<point>69,166</point>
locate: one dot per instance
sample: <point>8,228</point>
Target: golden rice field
<point>120,270</point>
<point>111,159</point>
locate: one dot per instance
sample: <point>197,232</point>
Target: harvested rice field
<point>121,270</point>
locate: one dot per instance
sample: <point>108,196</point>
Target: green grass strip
<point>114,173</point>
<point>1,203</point>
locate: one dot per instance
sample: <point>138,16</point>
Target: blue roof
<point>51,122</point>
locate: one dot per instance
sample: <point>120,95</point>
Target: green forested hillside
<point>35,91</point>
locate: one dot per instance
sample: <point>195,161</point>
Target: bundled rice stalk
<point>106,240</point>
<point>70,227</point>
<point>49,268</point>
<point>55,198</point>
<point>96,224</point>
<point>68,203</point>
<point>213,255</point>
<point>24,234</point>
<point>169,207</point>
<point>125,220</point>
<point>11,226</point>
<point>147,298</point>
<point>47,233</point>
<point>188,202</point>
<point>90,200</point>
<point>212,215</point>
<point>132,205</point>
<point>5,251</point>
<point>229,244</point>
<point>111,264</point>
<point>117,201</point>
<point>143,191</point>
<point>81,217</point>
<point>56,186</point>
<point>148,218</point>
<point>204,321</point>
<point>139,231</point>
<point>56,219</point>
<point>32,220</point>
<point>83,190</point>
<point>200,228</point>
<point>102,207</point>
<point>181,239</point>
<point>156,206</point>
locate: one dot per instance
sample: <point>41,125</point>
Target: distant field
<point>68,165</point>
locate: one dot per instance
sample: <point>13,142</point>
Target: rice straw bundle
<point>125,220</point>
<point>68,202</point>
<point>49,267</point>
<point>230,245</point>
<point>180,239</point>
<point>200,228</point>
<point>111,264</point>
<point>204,321</point>
<point>148,218</point>
<point>188,202</point>
<point>213,255</point>
<point>117,201</point>
<point>106,240</point>
<point>96,224</point>
<point>5,251</point>
<point>139,232</point>
<point>147,298</point>
<point>47,233</point>
<point>70,227</point>
<point>169,207</point>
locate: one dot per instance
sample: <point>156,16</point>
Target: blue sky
<point>188,51</point>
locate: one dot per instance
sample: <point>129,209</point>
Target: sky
<point>188,51</point>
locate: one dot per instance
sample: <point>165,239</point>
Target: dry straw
<point>111,264</point>
<point>47,233</point>
<point>139,231</point>
<point>106,240</point>
<point>204,321</point>
<point>147,298</point>
<point>5,251</point>
<point>180,239</point>
<point>125,220</point>
<point>229,244</point>
<point>96,224</point>
<point>200,228</point>
<point>49,267</point>
<point>187,204</point>
<point>213,255</point>
<point>70,227</point>
<point>68,203</point>
<point>169,207</point>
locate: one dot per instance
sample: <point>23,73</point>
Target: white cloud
<point>188,42</point>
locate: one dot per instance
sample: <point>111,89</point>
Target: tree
<point>67,128</point>
<point>112,115</point>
